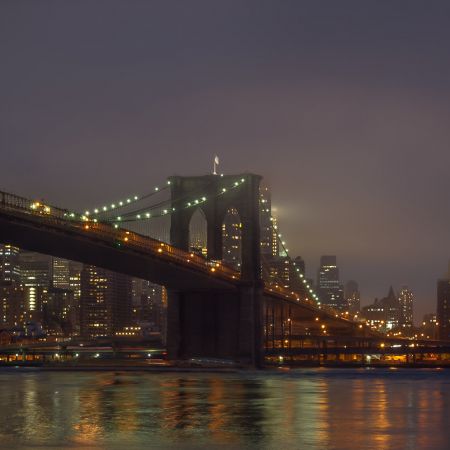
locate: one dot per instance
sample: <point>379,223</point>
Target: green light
<point>135,197</point>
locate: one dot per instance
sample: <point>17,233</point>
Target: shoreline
<point>206,369</point>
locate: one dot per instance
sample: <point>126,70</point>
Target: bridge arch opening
<point>232,239</point>
<point>198,232</point>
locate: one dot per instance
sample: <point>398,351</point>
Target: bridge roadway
<point>100,244</point>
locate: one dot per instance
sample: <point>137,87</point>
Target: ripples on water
<point>305,409</point>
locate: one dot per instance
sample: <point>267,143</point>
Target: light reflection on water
<point>307,409</point>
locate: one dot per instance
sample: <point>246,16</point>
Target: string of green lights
<point>146,215</point>
<point>123,203</point>
<point>297,270</point>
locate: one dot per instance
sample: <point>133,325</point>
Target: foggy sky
<point>342,106</point>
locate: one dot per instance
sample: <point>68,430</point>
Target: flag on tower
<point>216,163</point>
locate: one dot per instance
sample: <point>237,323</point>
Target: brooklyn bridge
<point>214,309</point>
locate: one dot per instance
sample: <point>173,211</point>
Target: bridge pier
<point>224,325</point>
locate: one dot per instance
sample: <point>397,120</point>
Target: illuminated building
<point>269,229</point>
<point>60,273</point>
<point>384,314</point>
<point>59,313</point>
<point>12,305</point>
<point>105,303</point>
<point>430,327</point>
<point>148,304</point>
<point>75,269</point>
<point>9,264</point>
<point>406,300</point>
<point>35,271</point>
<point>443,307</point>
<point>330,289</point>
<point>352,297</point>
<point>231,239</point>
<point>198,233</point>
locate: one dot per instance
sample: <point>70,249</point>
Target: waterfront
<point>305,408</point>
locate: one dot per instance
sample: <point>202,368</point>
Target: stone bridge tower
<point>218,324</point>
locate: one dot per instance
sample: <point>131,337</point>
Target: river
<point>305,409</point>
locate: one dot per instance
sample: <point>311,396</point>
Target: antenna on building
<point>216,163</point>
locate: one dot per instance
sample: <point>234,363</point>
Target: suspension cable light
<point>129,200</point>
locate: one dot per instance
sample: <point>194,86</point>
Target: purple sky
<point>342,106</point>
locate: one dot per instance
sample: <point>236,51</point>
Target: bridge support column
<point>173,325</point>
<point>226,325</point>
<point>251,324</point>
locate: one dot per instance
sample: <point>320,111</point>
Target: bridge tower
<point>218,324</point>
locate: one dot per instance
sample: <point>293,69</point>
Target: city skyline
<point>344,114</point>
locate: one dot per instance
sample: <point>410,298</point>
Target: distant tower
<point>330,289</point>
<point>443,306</point>
<point>406,299</point>
<point>352,297</point>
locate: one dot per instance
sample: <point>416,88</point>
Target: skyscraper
<point>9,264</point>
<point>269,237</point>
<point>406,300</point>
<point>231,239</point>
<point>443,306</point>
<point>105,303</point>
<point>35,272</point>
<point>148,299</point>
<point>352,296</point>
<point>60,273</point>
<point>331,291</point>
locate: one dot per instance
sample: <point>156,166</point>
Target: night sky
<point>343,107</point>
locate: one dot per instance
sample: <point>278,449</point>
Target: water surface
<point>305,409</point>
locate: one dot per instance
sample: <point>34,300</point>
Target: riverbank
<point>117,366</point>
